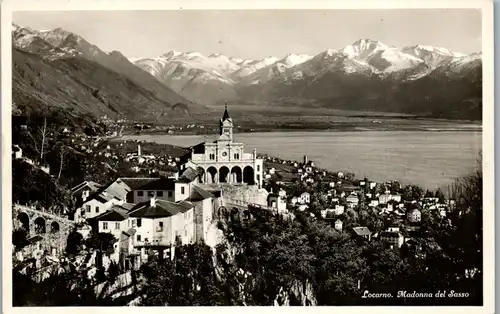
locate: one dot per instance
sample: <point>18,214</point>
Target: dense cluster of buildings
<point>340,195</point>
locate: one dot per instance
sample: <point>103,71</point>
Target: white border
<point>486,6</point>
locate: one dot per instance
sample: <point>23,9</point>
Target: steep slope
<point>58,43</point>
<point>77,86</point>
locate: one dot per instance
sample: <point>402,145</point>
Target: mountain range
<point>366,75</point>
<point>57,69</point>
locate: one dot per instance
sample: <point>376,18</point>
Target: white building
<point>225,161</point>
<point>304,198</point>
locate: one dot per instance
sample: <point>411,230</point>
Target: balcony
<point>160,241</point>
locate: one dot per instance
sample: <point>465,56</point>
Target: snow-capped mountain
<point>382,57</point>
<point>364,68</point>
<point>275,70</point>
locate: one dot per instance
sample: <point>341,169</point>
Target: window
<point>182,190</point>
<point>258,178</point>
<point>140,193</point>
<point>169,193</point>
<point>151,193</point>
<point>117,225</point>
<point>138,237</point>
<point>139,222</point>
<point>258,167</point>
<point>146,240</point>
<point>97,209</point>
<point>160,226</point>
<point>211,156</point>
<point>87,207</point>
<point>105,225</point>
<point>236,156</point>
<point>159,193</point>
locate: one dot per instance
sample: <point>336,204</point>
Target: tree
<point>19,239</point>
<point>74,242</point>
<point>42,134</point>
<point>102,241</point>
<point>428,194</point>
<point>440,196</point>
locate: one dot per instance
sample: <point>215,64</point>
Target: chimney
<point>152,202</point>
<point>138,150</point>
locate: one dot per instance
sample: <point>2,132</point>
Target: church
<point>225,161</point>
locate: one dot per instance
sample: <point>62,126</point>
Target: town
<point>154,202</point>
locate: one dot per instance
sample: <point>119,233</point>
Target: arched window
<point>236,156</point>
<point>212,156</point>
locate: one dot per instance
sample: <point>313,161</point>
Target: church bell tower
<point>226,127</point>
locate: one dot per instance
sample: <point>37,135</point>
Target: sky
<point>255,34</point>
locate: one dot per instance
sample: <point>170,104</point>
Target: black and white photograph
<point>237,155</point>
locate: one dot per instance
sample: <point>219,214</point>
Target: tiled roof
<point>135,183</point>
<point>114,214</point>
<point>199,194</point>
<point>362,231</point>
<point>93,186</point>
<point>161,209</point>
<point>189,175</point>
<point>159,184</point>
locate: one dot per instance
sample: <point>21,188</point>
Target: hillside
<point>78,86</point>
<point>58,44</point>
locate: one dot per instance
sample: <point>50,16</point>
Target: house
<point>387,196</point>
<point>276,201</point>
<point>103,199</point>
<point>362,233</point>
<point>159,225</point>
<point>282,193</point>
<point>338,225</point>
<point>393,238</point>
<point>372,185</point>
<point>113,221</point>
<point>83,190</point>
<point>304,198</point>
<point>414,215</point>
<point>165,188</point>
<point>272,171</point>
<point>294,200</point>
<point>352,200</point>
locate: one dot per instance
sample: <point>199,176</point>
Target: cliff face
<point>295,292</point>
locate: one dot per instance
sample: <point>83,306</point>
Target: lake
<point>426,158</point>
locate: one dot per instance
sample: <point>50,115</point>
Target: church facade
<point>225,161</point>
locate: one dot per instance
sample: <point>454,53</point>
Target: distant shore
<point>205,131</point>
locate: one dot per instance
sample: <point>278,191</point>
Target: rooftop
<point>160,209</point>
<point>362,231</point>
<point>114,214</point>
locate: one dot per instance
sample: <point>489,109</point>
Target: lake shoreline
<point>298,130</point>
<point>429,159</point>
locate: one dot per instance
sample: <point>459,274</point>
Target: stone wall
<point>243,192</point>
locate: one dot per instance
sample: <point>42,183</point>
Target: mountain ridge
<point>366,75</point>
